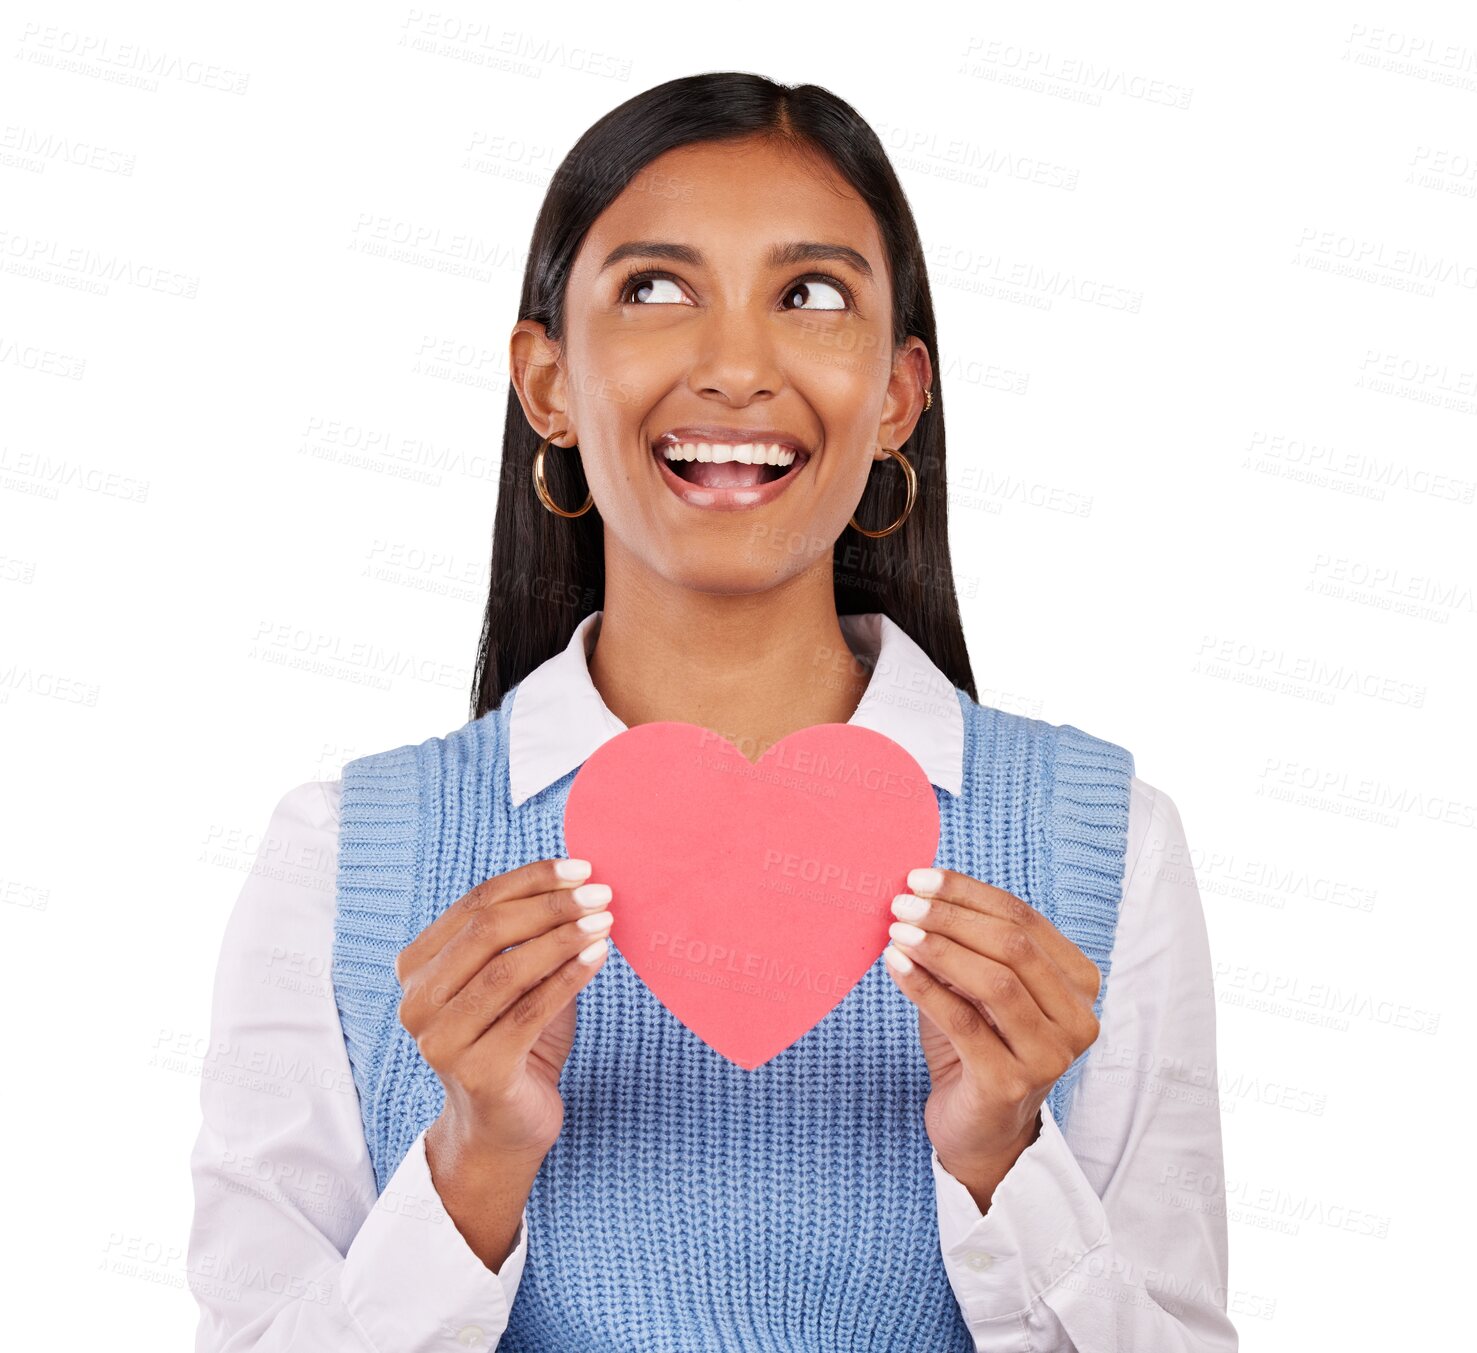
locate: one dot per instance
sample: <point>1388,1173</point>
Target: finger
<point>979,1046</point>
<point>1004,941</point>
<point>965,890</point>
<point>1036,1041</point>
<point>510,1038</point>
<point>508,924</point>
<point>501,984</point>
<point>538,876</point>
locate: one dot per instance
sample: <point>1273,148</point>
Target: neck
<point>752,668</point>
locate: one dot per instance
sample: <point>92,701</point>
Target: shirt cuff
<point>1044,1218</point>
<point>412,1281</point>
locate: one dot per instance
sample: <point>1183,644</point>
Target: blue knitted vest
<point>689,1205</point>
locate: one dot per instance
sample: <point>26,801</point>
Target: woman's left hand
<point>1004,1007</point>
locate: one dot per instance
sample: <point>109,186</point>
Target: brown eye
<point>642,286</point>
<point>828,295</point>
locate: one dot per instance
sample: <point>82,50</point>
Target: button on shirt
<point>1083,1247</point>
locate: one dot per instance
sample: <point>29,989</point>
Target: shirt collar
<point>559,719</point>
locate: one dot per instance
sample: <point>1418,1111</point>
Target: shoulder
<point>1163,945</point>
<point>287,898</point>
<point>1156,837</point>
<point>407,763</point>
<point>1064,752</point>
<point>310,807</point>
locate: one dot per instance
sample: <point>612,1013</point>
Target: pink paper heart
<point>751,897</point>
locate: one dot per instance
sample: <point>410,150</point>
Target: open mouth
<point>720,465</point>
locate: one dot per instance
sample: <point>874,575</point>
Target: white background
<point>1205,284</point>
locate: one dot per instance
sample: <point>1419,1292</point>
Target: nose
<point>734,357</point>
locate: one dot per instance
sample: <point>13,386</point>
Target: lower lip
<point>726,500</point>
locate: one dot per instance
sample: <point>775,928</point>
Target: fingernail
<point>925,880</point>
<point>897,960</point>
<point>592,894</point>
<point>906,907</point>
<point>594,952</point>
<point>573,869</point>
<point>593,925</point>
<point>903,933</point>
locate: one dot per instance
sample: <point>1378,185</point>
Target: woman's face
<point>735,294</point>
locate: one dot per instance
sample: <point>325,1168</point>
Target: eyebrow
<point>779,256</point>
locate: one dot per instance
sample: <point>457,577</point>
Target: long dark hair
<point>548,572</point>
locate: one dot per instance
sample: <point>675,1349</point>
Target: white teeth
<point>719,452</point>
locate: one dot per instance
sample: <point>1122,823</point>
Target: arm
<point>1087,1244</point>
<point>289,1247</point>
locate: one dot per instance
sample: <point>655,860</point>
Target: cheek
<point>635,365</point>
<point>842,363</point>
<point>610,400</point>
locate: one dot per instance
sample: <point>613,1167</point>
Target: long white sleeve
<point>289,1246</point>
<point>1111,1238</point>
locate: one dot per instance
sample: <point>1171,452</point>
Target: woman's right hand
<point>489,999</point>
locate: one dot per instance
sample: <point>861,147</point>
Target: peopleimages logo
<point>1316,1002</point>
<point>125,63</point>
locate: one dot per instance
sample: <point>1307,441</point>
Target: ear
<point>911,378</point>
<point>536,369</point>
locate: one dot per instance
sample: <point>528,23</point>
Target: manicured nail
<point>925,880</point>
<point>595,952</point>
<point>573,869</point>
<point>897,960</point>
<point>593,925</point>
<point>903,933</point>
<point>906,907</point>
<point>592,894</point>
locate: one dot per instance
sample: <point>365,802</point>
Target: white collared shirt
<point>1083,1248</point>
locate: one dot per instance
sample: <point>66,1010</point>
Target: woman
<point>500,1137</point>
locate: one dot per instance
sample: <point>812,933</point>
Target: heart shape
<point>750,897</point>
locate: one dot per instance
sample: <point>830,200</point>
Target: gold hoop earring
<point>912,477</point>
<point>541,488</point>
<point>927,399</point>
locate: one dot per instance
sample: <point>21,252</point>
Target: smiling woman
<point>745,289</point>
<point>726,505</point>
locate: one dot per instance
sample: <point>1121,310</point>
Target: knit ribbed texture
<point>690,1205</point>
